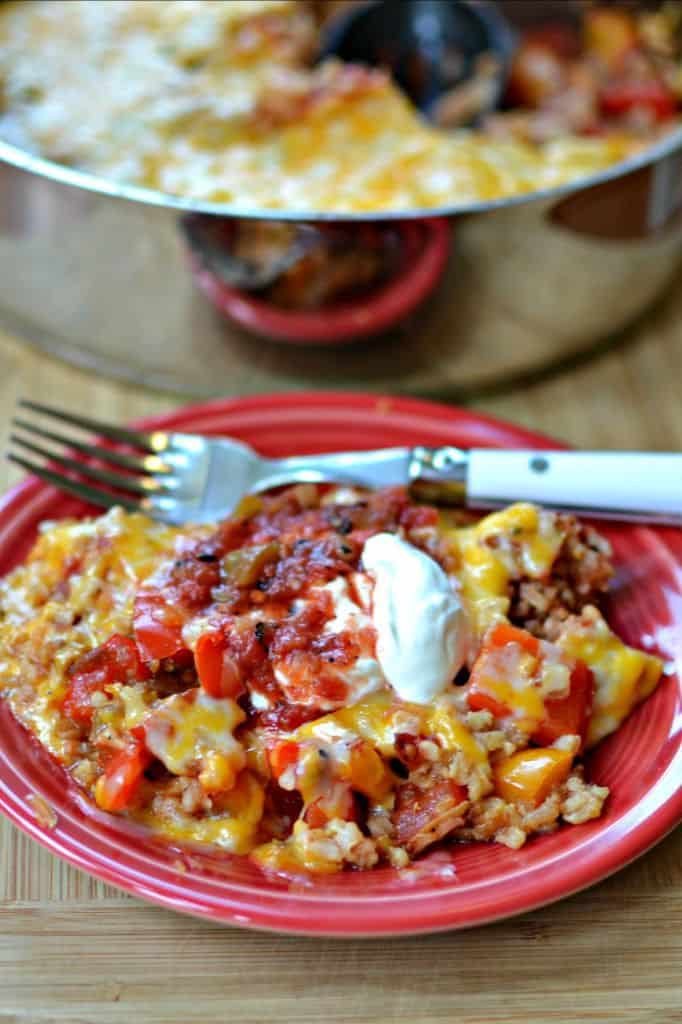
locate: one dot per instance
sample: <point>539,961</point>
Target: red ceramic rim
<point>427,244</point>
<point>450,888</point>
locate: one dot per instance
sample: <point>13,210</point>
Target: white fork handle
<point>637,486</point>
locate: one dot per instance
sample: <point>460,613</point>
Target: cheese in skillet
<point>216,100</point>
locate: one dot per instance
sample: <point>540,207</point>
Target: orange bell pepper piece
<point>609,35</point>
<point>529,776</point>
<point>504,633</point>
<point>562,715</point>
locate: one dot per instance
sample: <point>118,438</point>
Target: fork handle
<point>636,486</point>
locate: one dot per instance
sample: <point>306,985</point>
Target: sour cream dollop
<point>418,616</point>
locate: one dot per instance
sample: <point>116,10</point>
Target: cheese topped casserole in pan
<point>218,100</point>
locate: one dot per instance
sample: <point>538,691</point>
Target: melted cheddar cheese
<point>75,590</point>
<point>380,717</point>
<point>519,539</point>
<point>624,676</point>
<point>233,827</point>
<point>191,730</point>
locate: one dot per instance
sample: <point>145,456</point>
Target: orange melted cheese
<point>234,828</point>
<point>521,536</point>
<point>378,718</point>
<point>75,590</point>
<point>624,676</point>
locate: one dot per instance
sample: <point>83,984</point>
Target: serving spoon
<point>451,57</point>
<point>210,245</point>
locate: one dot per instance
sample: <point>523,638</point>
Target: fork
<point>180,478</point>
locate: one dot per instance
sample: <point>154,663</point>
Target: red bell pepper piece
<point>218,671</point>
<point>116,788</point>
<point>283,755</point>
<point>619,97</point>
<point>567,715</point>
<point>158,626</point>
<point>116,661</point>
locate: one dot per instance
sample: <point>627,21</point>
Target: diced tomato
<point>287,717</point>
<point>282,756</point>
<point>116,661</point>
<point>218,671</point>
<point>569,715</point>
<point>620,97</point>
<point>189,582</point>
<point>158,626</point>
<point>116,788</point>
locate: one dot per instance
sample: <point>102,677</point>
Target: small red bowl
<point>425,245</point>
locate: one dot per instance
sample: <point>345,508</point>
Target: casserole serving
<point>330,678</point>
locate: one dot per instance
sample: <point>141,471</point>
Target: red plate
<point>451,888</point>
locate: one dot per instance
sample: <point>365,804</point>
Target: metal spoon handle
<point>635,486</point>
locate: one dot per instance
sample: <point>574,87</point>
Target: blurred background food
<point>223,100</point>
<point>284,180</point>
<point>296,266</point>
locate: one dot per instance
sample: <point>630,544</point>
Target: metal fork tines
<point>177,477</point>
<point>139,481</point>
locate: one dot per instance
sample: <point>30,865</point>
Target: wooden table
<point>72,949</point>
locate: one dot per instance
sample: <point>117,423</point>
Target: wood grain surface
<point>72,949</point>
